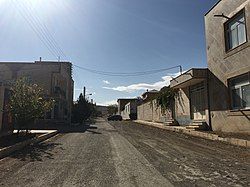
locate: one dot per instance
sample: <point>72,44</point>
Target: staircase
<point>197,125</point>
<point>170,122</point>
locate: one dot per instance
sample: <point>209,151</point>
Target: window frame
<point>226,30</point>
<point>238,86</point>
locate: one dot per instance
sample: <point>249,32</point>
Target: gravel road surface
<point>126,154</point>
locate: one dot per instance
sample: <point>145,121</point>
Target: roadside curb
<point>232,141</point>
<point>8,150</point>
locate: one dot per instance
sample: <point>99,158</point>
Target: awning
<point>191,77</point>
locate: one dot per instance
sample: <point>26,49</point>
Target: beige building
<point>130,109</point>
<point>54,77</point>
<point>228,55</point>
<point>191,105</point>
<point>127,107</point>
<point>219,97</point>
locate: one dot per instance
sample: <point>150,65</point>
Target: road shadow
<point>37,152</point>
<point>46,150</point>
<point>80,128</point>
<point>66,128</point>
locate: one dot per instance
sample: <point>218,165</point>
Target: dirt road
<point>126,154</point>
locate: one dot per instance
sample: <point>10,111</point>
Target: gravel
<point>126,154</point>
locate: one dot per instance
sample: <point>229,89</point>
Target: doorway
<point>197,101</point>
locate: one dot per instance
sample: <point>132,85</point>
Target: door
<point>197,101</point>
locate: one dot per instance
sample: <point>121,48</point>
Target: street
<point>126,154</point>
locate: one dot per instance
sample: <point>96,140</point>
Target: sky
<point>107,35</point>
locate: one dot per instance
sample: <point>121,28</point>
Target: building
<point>54,77</point>
<point>149,110</point>
<point>218,97</point>
<point>127,107</point>
<point>130,110</point>
<point>191,104</point>
<point>228,56</point>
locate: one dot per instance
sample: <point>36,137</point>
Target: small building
<point>127,107</point>
<point>55,78</point>
<point>191,105</point>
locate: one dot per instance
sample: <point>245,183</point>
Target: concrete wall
<point>225,65</point>
<point>149,111</point>
<point>182,107</point>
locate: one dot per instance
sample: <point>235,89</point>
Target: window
<point>235,31</point>
<point>240,91</point>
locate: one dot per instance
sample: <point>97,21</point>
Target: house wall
<point>182,107</point>
<point>149,111</point>
<point>225,65</point>
<point>121,105</point>
<point>47,75</point>
<point>130,108</point>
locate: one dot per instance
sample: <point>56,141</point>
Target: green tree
<point>27,103</point>
<point>82,110</point>
<point>165,98</point>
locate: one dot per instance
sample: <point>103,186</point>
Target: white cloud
<point>106,103</point>
<point>106,82</point>
<point>145,86</point>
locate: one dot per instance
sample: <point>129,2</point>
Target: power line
<point>128,74</point>
<point>36,26</point>
<point>46,30</point>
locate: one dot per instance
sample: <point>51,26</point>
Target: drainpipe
<point>208,102</point>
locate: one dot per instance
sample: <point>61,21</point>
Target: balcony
<point>191,77</point>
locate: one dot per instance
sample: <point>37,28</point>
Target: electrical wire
<point>126,74</point>
<point>41,32</point>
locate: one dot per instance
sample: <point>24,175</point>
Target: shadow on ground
<point>45,150</point>
<point>77,129</point>
<point>36,152</point>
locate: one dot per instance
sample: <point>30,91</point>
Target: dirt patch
<point>186,160</point>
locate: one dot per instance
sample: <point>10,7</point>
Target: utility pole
<point>84,92</point>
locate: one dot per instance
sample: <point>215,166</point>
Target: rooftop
<point>213,7</point>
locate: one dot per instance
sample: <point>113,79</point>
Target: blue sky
<point>109,35</point>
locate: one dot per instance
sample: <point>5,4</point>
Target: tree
<point>82,110</point>
<point>27,103</point>
<point>112,109</point>
<point>165,97</point>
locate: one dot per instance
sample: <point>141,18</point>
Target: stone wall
<point>151,112</point>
